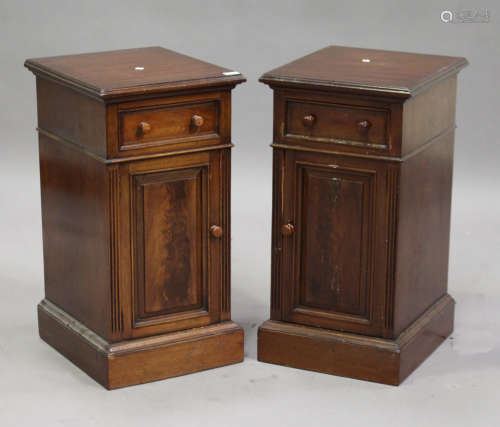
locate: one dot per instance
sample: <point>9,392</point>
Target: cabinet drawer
<point>336,123</point>
<point>147,126</point>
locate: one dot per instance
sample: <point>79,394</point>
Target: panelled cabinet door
<point>176,231</point>
<point>334,257</point>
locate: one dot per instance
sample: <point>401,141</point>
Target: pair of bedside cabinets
<point>135,155</point>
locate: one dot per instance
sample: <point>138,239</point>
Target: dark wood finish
<point>333,266</point>
<point>335,123</point>
<point>429,115</point>
<point>124,130</point>
<point>116,365</point>
<point>425,183</point>
<point>365,71</point>
<point>132,72</point>
<point>329,247</point>
<point>71,116</point>
<point>361,212</point>
<point>163,124</point>
<point>170,122</point>
<point>173,203</point>
<point>170,214</point>
<point>135,190</point>
<point>85,353</point>
<point>75,224</point>
<point>350,355</point>
<point>338,123</point>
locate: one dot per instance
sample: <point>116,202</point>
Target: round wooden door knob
<point>216,231</point>
<point>197,121</point>
<point>309,120</point>
<point>364,124</point>
<point>287,229</point>
<point>144,127</point>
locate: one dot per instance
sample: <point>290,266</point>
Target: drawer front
<point>159,124</point>
<point>336,123</point>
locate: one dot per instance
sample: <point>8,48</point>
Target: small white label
<point>231,73</point>
<point>139,68</point>
<point>366,60</point>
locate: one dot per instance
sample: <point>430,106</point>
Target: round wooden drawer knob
<point>197,121</point>
<point>144,127</point>
<point>287,229</point>
<point>216,231</point>
<point>363,124</point>
<point>309,120</point>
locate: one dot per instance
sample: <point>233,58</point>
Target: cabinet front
<point>176,231</point>
<point>333,246</point>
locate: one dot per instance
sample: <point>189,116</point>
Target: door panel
<point>174,260</point>
<point>333,233</point>
<point>169,214</point>
<point>334,270</point>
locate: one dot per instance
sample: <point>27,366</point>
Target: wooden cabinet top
<point>364,71</point>
<point>131,72</point>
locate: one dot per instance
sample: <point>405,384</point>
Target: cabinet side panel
<point>74,199</point>
<point>429,114</point>
<point>423,231</point>
<point>72,116</point>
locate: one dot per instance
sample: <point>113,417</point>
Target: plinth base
<point>357,356</point>
<point>137,361</point>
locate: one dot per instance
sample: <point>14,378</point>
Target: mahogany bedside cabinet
<point>135,150</point>
<point>363,155</point>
